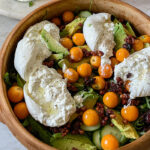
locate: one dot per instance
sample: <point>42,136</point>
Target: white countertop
<point>18,10</point>
<point>7,140</point>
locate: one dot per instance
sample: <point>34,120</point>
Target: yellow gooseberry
<point>66,42</point>
<point>121,54</point>
<point>109,142</point>
<point>78,39</point>
<point>56,21</point>
<point>110,99</point>
<point>138,45</point>
<point>15,94</point>
<point>90,117</point>
<point>68,16</point>
<point>127,85</point>
<point>114,62</point>
<point>21,110</point>
<point>76,54</point>
<point>145,38</point>
<point>84,70</point>
<point>130,113</point>
<point>95,61</point>
<point>105,71</point>
<point>99,83</point>
<point>71,75</point>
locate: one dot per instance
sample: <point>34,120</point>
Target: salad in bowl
<point>80,81</point>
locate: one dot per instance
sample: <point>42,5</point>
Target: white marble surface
<point>143,5</point>
<point>18,10</point>
<point>7,140</point>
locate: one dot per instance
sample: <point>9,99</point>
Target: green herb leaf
<point>141,133</point>
<point>25,123</point>
<point>139,123</point>
<point>20,81</point>
<point>39,130</point>
<point>63,33</point>
<point>7,79</point>
<point>143,107</point>
<point>148,102</point>
<point>31,3</point>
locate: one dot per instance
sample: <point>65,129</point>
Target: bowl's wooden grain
<point>140,21</point>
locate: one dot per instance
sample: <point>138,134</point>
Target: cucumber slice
<point>85,14</point>
<point>97,139</point>
<point>111,130</point>
<point>90,128</point>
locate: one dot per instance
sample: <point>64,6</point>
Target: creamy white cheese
<point>98,33</point>
<point>47,97</point>
<point>34,31</point>
<point>31,50</point>
<point>29,54</point>
<point>138,65</point>
<point>45,92</point>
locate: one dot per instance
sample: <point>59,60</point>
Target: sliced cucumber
<point>90,128</point>
<point>97,139</point>
<point>111,130</point>
<point>85,14</point>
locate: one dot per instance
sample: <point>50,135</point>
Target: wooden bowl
<point>54,8</point>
